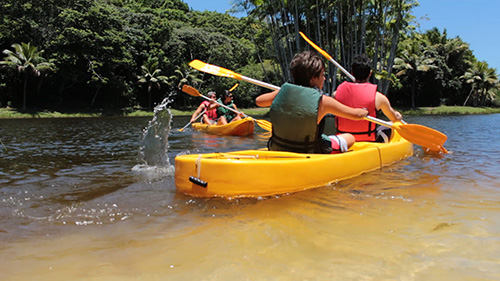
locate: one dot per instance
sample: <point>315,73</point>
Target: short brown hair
<point>305,66</point>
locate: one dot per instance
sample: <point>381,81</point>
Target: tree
<point>27,60</point>
<point>151,76</point>
<point>186,75</point>
<point>484,84</point>
<point>411,61</point>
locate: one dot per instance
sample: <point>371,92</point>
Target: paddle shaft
<point>196,118</point>
<point>260,83</point>
<point>378,121</point>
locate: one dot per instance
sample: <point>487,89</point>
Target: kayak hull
<point>256,173</point>
<point>242,127</point>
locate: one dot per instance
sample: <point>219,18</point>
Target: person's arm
<point>197,112</point>
<point>382,103</point>
<point>236,108</point>
<point>265,100</point>
<point>213,104</point>
<point>333,106</point>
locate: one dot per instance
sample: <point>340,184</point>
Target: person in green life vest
<point>225,115</point>
<point>297,110</point>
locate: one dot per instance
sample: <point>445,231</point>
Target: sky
<point>476,22</point>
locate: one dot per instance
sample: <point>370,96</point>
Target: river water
<point>91,199</point>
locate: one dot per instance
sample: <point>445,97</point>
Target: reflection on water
<point>77,202</point>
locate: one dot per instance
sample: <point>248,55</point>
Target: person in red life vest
<point>363,94</point>
<point>210,115</point>
<point>298,109</point>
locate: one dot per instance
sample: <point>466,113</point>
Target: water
<point>84,199</point>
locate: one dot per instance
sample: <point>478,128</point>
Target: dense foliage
<point>85,54</point>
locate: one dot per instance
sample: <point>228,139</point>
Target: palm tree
<point>411,61</point>
<point>483,81</point>
<point>151,76</point>
<point>27,60</point>
<point>186,75</point>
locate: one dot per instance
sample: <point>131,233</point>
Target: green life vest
<point>294,114</point>
<point>222,111</point>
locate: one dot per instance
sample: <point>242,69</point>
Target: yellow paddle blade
<point>213,69</point>
<point>325,54</point>
<point>234,87</point>
<point>190,90</point>
<point>424,136</point>
<point>264,124</point>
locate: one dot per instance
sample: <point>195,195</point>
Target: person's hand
<point>361,113</point>
<point>398,115</point>
<point>365,112</point>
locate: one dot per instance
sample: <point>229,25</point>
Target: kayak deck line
<point>230,155</point>
<point>262,173</point>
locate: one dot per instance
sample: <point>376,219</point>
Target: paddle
<point>220,71</point>
<point>196,118</point>
<point>426,137</point>
<point>327,56</point>
<point>417,134</point>
<point>264,124</point>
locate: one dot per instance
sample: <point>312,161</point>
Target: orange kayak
<point>243,127</point>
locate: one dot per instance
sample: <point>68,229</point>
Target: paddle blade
<point>213,69</point>
<point>190,90</point>
<point>234,87</point>
<point>325,54</point>
<point>264,124</point>
<point>426,137</point>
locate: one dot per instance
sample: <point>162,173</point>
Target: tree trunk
<point>24,90</point>
<point>468,96</point>
<point>394,45</point>
<point>149,93</point>
<point>95,95</point>
<point>413,83</point>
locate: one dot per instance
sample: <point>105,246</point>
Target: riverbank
<point>11,113</point>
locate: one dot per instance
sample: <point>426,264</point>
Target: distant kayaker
<point>363,94</point>
<point>297,110</point>
<point>225,115</point>
<point>210,115</point>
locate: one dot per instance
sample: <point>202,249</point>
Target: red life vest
<point>212,115</point>
<point>357,95</point>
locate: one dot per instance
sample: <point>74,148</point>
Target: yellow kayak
<point>255,173</point>
<point>243,127</point>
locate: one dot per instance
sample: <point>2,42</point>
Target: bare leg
<point>348,138</point>
<point>207,120</point>
<point>236,118</point>
<point>222,120</point>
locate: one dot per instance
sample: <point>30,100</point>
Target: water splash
<point>154,145</point>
